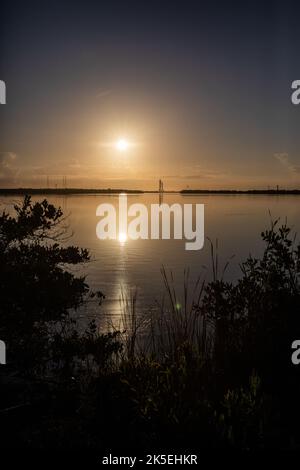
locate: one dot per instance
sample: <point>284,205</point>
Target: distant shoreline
<point>238,191</point>
<point>67,191</point>
<point>74,191</point>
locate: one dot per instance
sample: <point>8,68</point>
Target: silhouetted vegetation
<point>212,371</point>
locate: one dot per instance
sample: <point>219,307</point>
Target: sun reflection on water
<point>122,237</point>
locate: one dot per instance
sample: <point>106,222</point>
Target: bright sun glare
<point>122,145</point>
<point>122,237</point>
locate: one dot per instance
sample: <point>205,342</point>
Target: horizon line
<point>30,190</point>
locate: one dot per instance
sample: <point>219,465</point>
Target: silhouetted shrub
<point>212,373</point>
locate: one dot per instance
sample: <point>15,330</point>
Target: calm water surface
<point>235,220</point>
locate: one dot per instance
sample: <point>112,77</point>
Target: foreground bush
<point>215,372</point>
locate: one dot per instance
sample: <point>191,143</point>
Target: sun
<point>122,145</point>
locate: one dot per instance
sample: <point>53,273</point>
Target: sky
<point>200,90</point>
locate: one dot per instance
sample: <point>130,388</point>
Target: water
<point>235,220</point>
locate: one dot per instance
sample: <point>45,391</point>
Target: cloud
<point>8,170</point>
<point>74,163</point>
<point>284,159</point>
<point>103,93</point>
<point>60,167</point>
<point>197,173</point>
